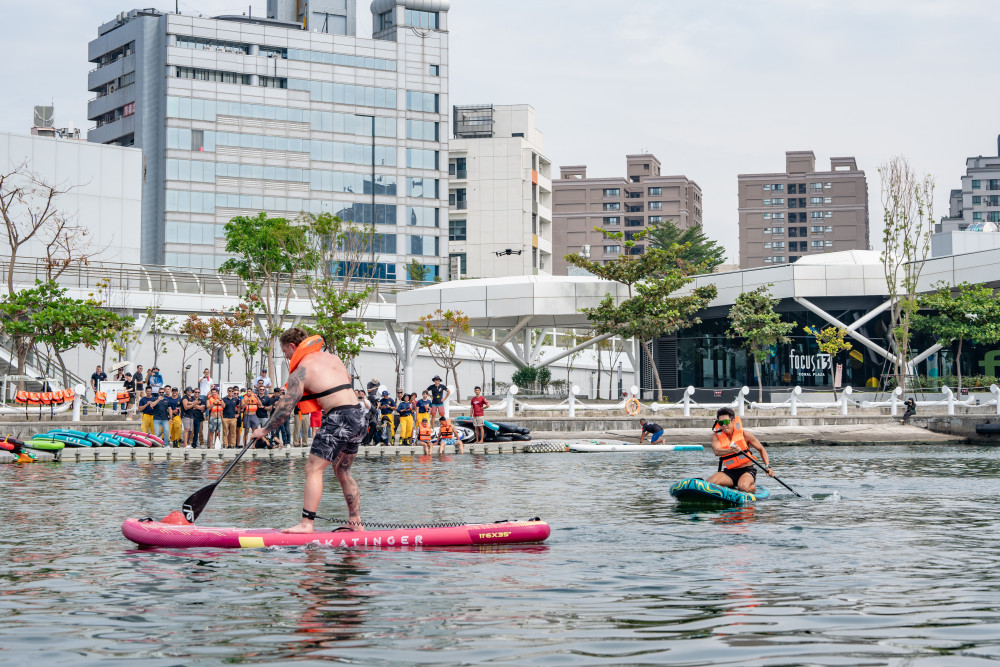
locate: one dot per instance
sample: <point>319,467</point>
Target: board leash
<point>414,526</point>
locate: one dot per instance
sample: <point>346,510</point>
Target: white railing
<point>687,402</point>
<point>571,404</point>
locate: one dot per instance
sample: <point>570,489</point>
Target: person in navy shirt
<point>439,394</point>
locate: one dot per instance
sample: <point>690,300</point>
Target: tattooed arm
<point>285,405</point>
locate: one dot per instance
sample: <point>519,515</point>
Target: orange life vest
<point>734,460</point>
<point>100,398</point>
<point>424,433</point>
<point>251,402</point>
<point>445,430</point>
<point>306,347</point>
<point>215,404</point>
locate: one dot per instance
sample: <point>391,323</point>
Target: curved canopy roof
<point>546,301</point>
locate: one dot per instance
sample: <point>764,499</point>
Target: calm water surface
<point>891,558</point>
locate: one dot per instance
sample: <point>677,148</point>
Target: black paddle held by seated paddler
<point>764,468</point>
<point>196,502</point>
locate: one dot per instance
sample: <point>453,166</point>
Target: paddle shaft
<point>764,468</point>
<point>188,508</point>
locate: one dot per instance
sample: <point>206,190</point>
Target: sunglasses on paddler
<point>724,422</point>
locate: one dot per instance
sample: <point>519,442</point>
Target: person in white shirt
<point>205,383</point>
<point>263,378</point>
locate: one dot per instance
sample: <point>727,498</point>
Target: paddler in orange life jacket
<point>318,381</point>
<point>731,443</point>
<point>425,436</point>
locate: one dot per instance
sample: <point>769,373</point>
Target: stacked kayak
<point>16,447</point>
<point>59,438</point>
<point>698,492</point>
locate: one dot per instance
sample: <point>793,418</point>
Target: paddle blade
<point>195,503</point>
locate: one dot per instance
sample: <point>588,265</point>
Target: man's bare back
<point>336,442</point>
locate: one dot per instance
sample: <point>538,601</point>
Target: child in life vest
<point>446,436</point>
<point>425,436</point>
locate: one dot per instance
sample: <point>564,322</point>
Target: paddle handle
<point>764,468</point>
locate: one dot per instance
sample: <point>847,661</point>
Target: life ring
<point>632,406</point>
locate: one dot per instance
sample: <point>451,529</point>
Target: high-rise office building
<point>783,216</point>
<point>287,113</point>
<point>500,194</point>
<point>616,204</point>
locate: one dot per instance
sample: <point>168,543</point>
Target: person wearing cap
<point>386,406</point>
<point>373,385</point>
<point>263,379</point>
<point>404,412</point>
<point>439,394</point>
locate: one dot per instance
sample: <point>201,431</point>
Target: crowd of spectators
<point>207,415</point>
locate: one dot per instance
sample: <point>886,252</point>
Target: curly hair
<point>293,336</point>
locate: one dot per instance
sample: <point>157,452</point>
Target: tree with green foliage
<point>246,336</point>
<point>653,308</point>
<point>524,377</point>
<point>216,335</point>
<point>43,314</point>
<point>439,334</point>
<point>417,272</point>
<point>270,255</point>
<point>543,377</point>
<point>344,338</point>
<point>961,313</point>
<point>696,253</point>
<point>753,319</point>
<point>908,204</point>
<point>831,340</point>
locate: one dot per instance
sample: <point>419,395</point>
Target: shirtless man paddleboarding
<point>317,380</point>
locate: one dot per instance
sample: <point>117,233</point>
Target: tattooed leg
<point>342,467</point>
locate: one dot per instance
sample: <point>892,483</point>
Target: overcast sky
<point>713,88</point>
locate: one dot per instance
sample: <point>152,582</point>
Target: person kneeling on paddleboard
<point>317,380</point>
<point>655,432</point>
<point>732,445</point>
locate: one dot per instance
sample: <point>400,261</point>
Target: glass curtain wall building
<point>287,114</point>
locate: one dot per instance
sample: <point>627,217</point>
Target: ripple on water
<point>889,559</point>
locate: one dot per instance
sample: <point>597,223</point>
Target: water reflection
<point>333,598</point>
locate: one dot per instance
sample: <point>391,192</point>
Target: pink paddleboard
<point>159,534</point>
<point>149,437</point>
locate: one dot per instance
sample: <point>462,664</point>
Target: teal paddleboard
<point>119,440</point>
<point>68,440</point>
<point>700,492</point>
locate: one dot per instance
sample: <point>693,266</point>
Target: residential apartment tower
<point>802,211</point>
<point>616,204</point>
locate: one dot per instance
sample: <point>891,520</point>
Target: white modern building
<point>500,194</point>
<point>101,203</point>
<point>286,114</point>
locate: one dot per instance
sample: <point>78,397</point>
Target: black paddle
<point>758,464</point>
<point>196,502</point>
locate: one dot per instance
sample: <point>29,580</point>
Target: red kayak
<point>9,443</point>
<point>146,532</point>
